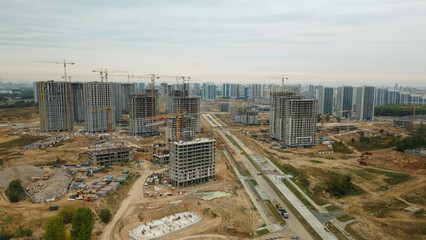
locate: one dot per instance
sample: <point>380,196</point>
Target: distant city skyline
<point>330,43</point>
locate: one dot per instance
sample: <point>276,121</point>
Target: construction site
<point>174,167</point>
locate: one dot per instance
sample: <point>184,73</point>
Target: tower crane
<point>414,111</point>
<point>105,72</point>
<point>65,63</point>
<point>283,78</point>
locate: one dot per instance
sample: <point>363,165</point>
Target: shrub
<point>15,191</point>
<point>105,215</point>
<point>341,185</point>
<point>67,213</point>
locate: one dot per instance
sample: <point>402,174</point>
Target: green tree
<point>15,191</point>
<point>82,224</point>
<point>105,215</point>
<point>55,229</point>
<point>339,119</point>
<point>327,117</point>
<point>67,213</point>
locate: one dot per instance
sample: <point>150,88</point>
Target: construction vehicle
<point>81,192</point>
<point>242,152</point>
<point>363,163</point>
<point>282,211</point>
<point>46,176</point>
<point>54,208</point>
<point>88,199</point>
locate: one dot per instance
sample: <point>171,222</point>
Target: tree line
<point>397,110</point>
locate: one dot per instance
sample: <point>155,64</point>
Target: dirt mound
<point>25,173</point>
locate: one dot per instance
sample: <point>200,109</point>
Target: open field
<point>391,182</point>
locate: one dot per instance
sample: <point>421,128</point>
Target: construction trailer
<point>140,107</point>
<point>109,156</point>
<point>192,162</point>
<point>55,106</point>
<point>101,107</point>
<point>180,128</point>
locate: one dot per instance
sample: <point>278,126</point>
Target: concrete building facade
<point>187,128</point>
<point>109,156</point>
<point>244,115</point>
<point>190,105</point>
<point>127,90</point>
<point>55,106</point>
<point>344,101</point>
<point>365,103</point>
<point>99,106</point>
<point>209,92</point>
<point>77,101</point>
<point>325,100</point>
<point>192,162</point>
<point>140,107</point>
<point>293,119</point>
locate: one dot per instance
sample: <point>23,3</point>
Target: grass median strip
<point>298,195</point>
<point>302,220</point>
<point>253,182</point>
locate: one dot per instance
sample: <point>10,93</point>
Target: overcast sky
<point>320,42</point>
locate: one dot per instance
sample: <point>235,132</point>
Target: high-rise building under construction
<point>143,106</point>
<point>179,102</point>
<point>55,106</point>
<point>127,90</point>
<point>192,162</point>
<point>100,103</point>
<point>293,119</point>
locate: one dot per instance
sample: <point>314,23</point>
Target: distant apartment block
<point>209,92</point>
<point>325,100</point>
<point>224,106</point>
<point>77,101</point>
<point>127,90</point>
<point>365,103</point>
<point>244,115</point>
<point>344,101</point>
<point>55,106</point>
<point>107,156</point>
<point>192,162</point>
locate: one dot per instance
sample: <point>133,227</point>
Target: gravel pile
<point>25,173</point>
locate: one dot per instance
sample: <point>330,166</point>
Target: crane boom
<point>65,66</point>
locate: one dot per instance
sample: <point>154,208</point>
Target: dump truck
<point>46,176</point>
